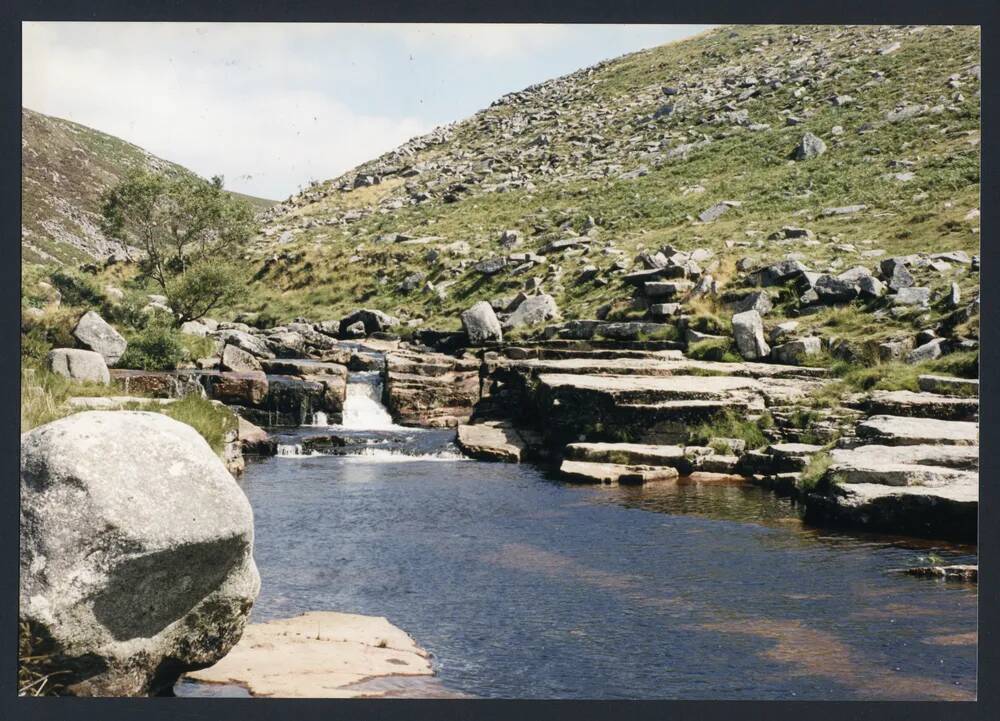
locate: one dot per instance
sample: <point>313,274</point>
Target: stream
<point>522,586</point>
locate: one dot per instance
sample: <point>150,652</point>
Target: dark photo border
<point>928,12</point>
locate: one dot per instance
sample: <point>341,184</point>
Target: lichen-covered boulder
<point>79,365</point>
<point>481,324</point>
<point>533,310</point>
<point>238,360</point>
<point>748,331</point>
<point>136,551</point>
<point>94,333</point>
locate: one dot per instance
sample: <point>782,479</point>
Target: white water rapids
<point>363,409</point>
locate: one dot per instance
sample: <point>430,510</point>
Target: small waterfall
<point>295,450</point>
<point>363,409</point>
<point>320,419</point>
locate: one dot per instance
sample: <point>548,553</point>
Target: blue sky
<point>273,106</point>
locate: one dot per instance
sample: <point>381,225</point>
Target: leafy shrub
<point>77,289</point>
<point>155,348</point>
<point>54,329</point>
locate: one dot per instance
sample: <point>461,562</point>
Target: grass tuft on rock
<point>730,425</point>
<point>813,473</point>
<point>713,350</point>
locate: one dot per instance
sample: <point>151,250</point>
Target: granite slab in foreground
<point>324,654</point>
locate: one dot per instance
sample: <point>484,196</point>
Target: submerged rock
<point>136,551</point>
<point>318,655</point>
<point>490,442</point>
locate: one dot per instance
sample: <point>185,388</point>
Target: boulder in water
<point>136,551</point>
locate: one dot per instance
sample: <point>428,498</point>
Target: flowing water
<point>523,586</point>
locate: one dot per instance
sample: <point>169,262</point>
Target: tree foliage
<point>184,233</point>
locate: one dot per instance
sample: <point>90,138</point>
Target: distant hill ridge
<point>65,167</point>
<point>632,153</point>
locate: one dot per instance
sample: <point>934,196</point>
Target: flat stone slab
<point>653,387</point>
<point>110,403</point>
<point>628,453</point>
<point>663,367</point>
<point>921,405</point>
<point>490,442</point>
<point>303,367</point>
<point>946,512</point>
<point>320,654</point>
<point>584,472</point>
<point>964,572</point>
<point>947,385</point>
<point>902,431</point>
<point>959,457</point>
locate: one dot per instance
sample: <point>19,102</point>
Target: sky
<point>272,106</point>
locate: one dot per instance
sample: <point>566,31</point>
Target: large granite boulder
<point>236,359</point>
<point>748,331</point>
<point>481,324</point>
<point>79,365</point>
<point>136,551</point>
<point>96,335</point>
<point>374,321</point>
<point>246,341</point>
<point>533,310</point>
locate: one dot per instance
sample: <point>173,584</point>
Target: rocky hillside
<point>64,169</point>
<point>833,146</point>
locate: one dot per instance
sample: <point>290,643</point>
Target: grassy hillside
<point>65,167</point>
<point>597,154</point>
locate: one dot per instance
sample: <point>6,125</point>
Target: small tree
<point>184,233</point>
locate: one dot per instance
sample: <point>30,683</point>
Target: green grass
<point>44,398</point>
<point>730,425</point>
<point>44,395</point>
<point>713,350</point>
<point>815,470</point>
<point>212,420</point>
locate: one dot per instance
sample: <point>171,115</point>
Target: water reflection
<point>524,587</point>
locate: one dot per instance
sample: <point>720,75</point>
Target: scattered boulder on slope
<point>748,330</point>
<point>79,365</point>
<point>94,333</point>
<point>533,310</point>
<point>809,147</point>
<point>136,551</point>
<point>375,321</point>
<point>236,359</point>
<point>481,324</point>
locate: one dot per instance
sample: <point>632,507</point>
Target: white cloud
<point>492,41</point>
<point>232,107</point>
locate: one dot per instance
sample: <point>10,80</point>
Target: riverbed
<point>521,586</point>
